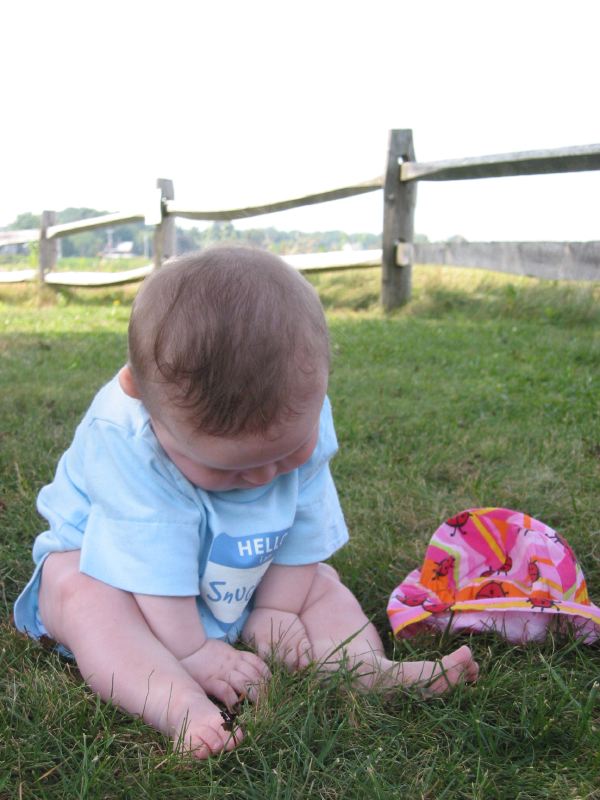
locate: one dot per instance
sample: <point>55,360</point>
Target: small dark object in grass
<point>229,717</point>
<point>227,725</point>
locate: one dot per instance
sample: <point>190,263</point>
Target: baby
<point>195,507</point>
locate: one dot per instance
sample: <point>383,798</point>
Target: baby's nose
<point>260,475</point>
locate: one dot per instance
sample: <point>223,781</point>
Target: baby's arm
<point>274,623</point>
<point>220,669</point>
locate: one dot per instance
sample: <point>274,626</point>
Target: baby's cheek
<point>305,454</point>
<point>290,464</point>
<point>200,476</point>
<point>213,481</point>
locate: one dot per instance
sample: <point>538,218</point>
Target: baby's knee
<point>57,575</point>
<point>63,590</point>
<point>327,573</point>
<point>326,586</point>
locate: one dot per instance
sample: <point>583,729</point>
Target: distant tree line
<point>95,243</point>
<point>283,242</point>
<point>89,244</point>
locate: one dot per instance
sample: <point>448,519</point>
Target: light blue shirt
<point>143,527</point>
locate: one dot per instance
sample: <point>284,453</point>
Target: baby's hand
<point>281,633</point>
<point>226,673</point>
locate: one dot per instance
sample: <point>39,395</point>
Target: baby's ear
<point>127,382</point>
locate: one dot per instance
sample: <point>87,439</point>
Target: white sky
<point>244,101</point>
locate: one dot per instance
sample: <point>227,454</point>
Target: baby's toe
<point>224,691</point>
<point>206,742</point>
<point>204,732</point>
<point>255,667</point>
<point>456,667</point>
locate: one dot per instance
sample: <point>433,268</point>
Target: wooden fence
<point>565,260</point>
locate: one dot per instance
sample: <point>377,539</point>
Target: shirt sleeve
<point>319,528</point>
<point>143,533</point>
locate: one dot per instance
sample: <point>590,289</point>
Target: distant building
<point>120,250</point>
<point>13,243</point>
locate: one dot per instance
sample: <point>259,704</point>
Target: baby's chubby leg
<point>123,661</point>
<point>331,615</point>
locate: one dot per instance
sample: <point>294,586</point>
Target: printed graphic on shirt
<point>233,570</point>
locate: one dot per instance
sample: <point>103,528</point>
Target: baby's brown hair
<point>233,336</point>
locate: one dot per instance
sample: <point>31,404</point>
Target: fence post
<point>164,233</point>
<point>399,200</point>
<point>48,247</point>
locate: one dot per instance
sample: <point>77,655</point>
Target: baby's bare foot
<point>227,673</point>
<point>430,677</point>
<point>280,634</point>
<point>457,667</point>
<point>198,727</point>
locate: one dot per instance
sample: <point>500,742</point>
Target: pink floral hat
<point>492,569</point>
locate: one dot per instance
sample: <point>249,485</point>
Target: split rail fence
<point>553,260</point>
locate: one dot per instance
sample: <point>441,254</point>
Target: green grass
<point>485,390</point>
<point>74,263</point>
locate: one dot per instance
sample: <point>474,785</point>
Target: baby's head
<point>229,352</point>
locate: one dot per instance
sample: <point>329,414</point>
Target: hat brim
<point>495,569</point>
<point>406,620</point>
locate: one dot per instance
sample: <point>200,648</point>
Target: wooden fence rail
<point>107,220</point>
<point>283,205</point>
<point>542,259</point>
<point>530,162</point>
<point>565,260</point>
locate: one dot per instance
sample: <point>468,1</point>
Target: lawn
<point>483,391</point>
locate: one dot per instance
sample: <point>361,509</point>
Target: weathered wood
<point>334,260</point>
<point>98,278</point>
<point>554,260</point>
<point>399,201</point>
<point>66,278</point>
<point>19,237</point>
<point>565,261</point>
<point>165,241</point>
<point>104,221</point>
<point>575,261</point>
<point>283,205</point>
<point>48,247</point>
<point>18,275</point>
<point>303,262</point>
<point>529,162</point>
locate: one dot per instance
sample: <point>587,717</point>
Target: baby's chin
<point>232,486</point>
